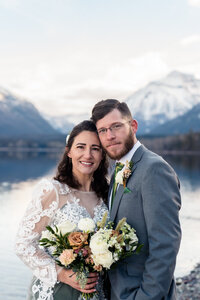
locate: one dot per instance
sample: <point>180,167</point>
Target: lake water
<point>20,172</point>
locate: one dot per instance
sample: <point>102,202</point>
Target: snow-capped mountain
<point>65,123</point>
<point>190,121</point>
<point>59,123</point>
<point>164,100</point>
<point>20,118</point>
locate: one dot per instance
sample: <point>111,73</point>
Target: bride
<point>78,190</point>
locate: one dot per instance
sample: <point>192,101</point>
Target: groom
<point>151,207</point>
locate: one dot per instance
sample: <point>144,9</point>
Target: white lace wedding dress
<point>52,203</point>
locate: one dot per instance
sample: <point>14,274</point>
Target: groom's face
<point>117,134</point>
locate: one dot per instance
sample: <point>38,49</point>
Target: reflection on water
<point>187,167</point>
<point>20,172</point>
<point>19,166</point>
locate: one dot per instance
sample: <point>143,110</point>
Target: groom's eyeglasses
<point>114,128</point>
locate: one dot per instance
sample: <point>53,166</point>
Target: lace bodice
<point>52,203</point>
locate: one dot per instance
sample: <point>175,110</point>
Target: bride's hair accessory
<point>67,138</point>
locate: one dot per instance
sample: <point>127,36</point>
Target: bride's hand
<point>69,277</point>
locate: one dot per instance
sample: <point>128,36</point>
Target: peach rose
<point>66,257</point>
<point>77,239</point>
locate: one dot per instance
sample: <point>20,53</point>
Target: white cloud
<point>63,88</point>
<point>190,40</point>
<point>10,4</point>
<point>137,71</point>
<point>195,3</point>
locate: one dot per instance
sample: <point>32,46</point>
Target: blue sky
<point>72,53</point>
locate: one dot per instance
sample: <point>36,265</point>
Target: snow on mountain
<point>164,100</point>
<point>66,122</point>
<point>20,118</point>
<point>78,118</point>
<point>59,123</point>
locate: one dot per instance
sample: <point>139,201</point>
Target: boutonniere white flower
<point>123,175</point>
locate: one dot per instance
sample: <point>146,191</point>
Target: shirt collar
<point>129,155</point>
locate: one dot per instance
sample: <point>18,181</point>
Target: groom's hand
<point>69,277</point>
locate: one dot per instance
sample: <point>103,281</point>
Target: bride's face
<point>86,153</point>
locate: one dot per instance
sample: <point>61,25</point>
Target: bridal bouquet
<point>85,248</point>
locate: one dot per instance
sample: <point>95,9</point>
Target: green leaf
<point>126,190</point>
<point>50,229</point>
<point>138,249</point>
<point>44,240</point>
<point>131,164</point>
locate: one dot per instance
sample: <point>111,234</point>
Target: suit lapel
<point>135,159</point>
<point>116,201</point>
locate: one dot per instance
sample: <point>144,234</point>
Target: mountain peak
<point>176,78</point>
<point>3,94</point>
<point>20,118</point>
<point>6,96</point>
<point>163,100</point>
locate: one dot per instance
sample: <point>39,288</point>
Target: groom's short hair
<point>104,107</point>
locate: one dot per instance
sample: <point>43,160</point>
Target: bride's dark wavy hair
<point>64,171</point>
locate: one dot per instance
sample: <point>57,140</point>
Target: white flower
<point>115,256</point>
<point>133,237</point>
<point>100,253</point>
<point>98,244</point>
<point>119,177</point>
<point>106,233</point>
<point>66,227</point>
<point>112,241</point>
<point>86,224</point>
<point>46,234</point>
<point>104,259</point>
<point>118,246</point>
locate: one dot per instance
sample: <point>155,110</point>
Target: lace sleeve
<point>37,216</point>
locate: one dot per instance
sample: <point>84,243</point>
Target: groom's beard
<point>128,145</point>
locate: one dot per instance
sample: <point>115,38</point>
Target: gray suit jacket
<point>152,208</point>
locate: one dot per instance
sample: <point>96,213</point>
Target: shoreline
<point>30,149</point>
<point>188,286</point>
<point>57,149</point>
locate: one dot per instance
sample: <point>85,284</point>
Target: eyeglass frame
<point>112,128</point>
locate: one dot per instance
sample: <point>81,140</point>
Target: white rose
<point>86,225</point>
<point>66,227</point>
<point>97,244</point>
<point>119,177</point>
<point>104,259</point>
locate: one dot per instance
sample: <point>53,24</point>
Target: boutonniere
<point>123,175</point>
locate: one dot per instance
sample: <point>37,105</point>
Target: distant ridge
<point>190,121</point>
